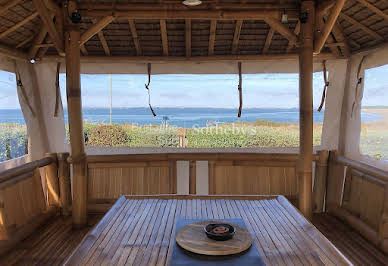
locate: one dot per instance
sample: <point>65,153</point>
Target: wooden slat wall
<point>111,180</point>
<point>20,202</point>
<point>364,199</point>
<point>248,178</point>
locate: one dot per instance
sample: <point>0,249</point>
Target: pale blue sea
<point>183,117</point>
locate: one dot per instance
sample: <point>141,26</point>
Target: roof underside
<point>358,27</point>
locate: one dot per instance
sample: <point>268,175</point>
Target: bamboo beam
<point>187,14</point>
<point>334,13</point>
<point>268,40</point>
<point>18,25</point>
<point>83,49</point>
<point>46,18</point>
<point>37,40</point>
<point>163,33</point>
<point>74,103</point>
<point>170,6</point>
<point>374,9</point>
<point>188,37</point>
<point>104,43</point>
<point>236,36</point>
<point>319,23</point>
<point>361,26</point>
<point>43,50</point>
<point>324,6</point>
<point>306,110</point>
<point>25,42</point>
<point>100,35</point>
<point>296,32</point>
<point>135,38</point>
<point>9,5</point>
<point>212,37</point>
<point>340,37</point>
<point>213,58</point>
<point>96,28</point>
<point>282,29</point>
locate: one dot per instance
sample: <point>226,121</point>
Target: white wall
<point>351,122</point>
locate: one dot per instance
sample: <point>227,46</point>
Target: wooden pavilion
<point>49,192</point>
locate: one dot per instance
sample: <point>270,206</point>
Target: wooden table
<point>140,230</point>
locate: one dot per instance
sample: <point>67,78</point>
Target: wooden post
<point>319,190</point>
<point>306,108</point>
<point>74,107</point>
<point>52,181</point>
<point>64,183</point>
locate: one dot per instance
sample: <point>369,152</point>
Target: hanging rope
<point>239,89</point>
<point>57,91</point>
<point>359,82</point>
<point>148,89</point>
<point>19,84</point>
<point>325,87</point>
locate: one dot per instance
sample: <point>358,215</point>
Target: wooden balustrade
<point>358,194</point>
<point>23,205</point>
<point>110,176</point>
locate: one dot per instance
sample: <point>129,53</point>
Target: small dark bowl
<point>219,237</point>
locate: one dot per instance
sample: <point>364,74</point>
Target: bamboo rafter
<point>132,28</point>
<point>236,36</point>
<point>212,36</point>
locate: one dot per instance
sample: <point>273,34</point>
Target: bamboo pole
<point>64,183</point>
<point>52,180</point>
<point>320,181</point>
<point>74,103</point>
<point>306,110</point>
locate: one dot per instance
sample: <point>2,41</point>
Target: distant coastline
<point>189,117</point>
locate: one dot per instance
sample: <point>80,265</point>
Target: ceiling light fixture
<point>192,2</point>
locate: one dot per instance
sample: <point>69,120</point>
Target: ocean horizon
<point>184,117</point>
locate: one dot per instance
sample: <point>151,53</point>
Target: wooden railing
<point>110,176</point>
<point>358,194</point>
<point>25,203</point>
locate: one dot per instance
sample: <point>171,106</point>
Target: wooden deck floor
<point>356,248</point>
<point>51,244</point>
<point>55,241</point>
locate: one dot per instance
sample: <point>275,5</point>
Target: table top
<point>140,230</point>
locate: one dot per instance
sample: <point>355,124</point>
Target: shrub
<point>104,135</point>
<point>13,141</point>
<point>152,136</point>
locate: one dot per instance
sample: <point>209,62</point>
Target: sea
<point>184,117</point>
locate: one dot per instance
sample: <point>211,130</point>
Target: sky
<point>217,91</point>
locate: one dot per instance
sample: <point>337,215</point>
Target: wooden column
<point>306,109</point>
<point>74,107</point>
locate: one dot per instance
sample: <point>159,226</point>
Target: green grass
<point>374,143</point>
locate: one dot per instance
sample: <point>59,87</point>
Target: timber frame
<point>129,29</point>
<point>214,31</point>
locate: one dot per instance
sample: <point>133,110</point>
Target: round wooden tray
<point>192,237</point>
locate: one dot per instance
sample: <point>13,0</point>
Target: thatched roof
<point>361,24</point>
